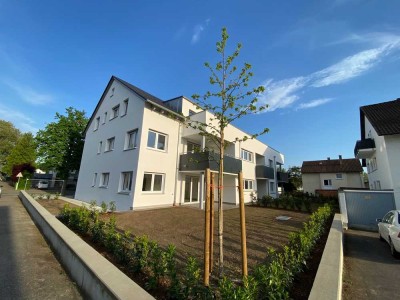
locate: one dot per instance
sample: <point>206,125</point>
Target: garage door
<point>364,207</point>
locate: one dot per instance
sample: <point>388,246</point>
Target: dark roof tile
<point>350,165</point>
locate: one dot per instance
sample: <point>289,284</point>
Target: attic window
<point>112,92</point>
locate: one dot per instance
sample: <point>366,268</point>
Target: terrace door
<point>192,189</point>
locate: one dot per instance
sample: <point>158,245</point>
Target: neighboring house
<point>325,177</point>
<point>379,147</point>
<point>139,153</point>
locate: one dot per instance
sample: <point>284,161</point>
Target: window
<point>112,92</point>
<point>192,147</point>
<point>339,176</point>
<point>191,112</point>
<point>272,187</point>
<point>94,179</point>
<point>246,155</point>
<point>110,144</point>
<point>130,139</point>
<point>270,163</point>
<point>156,140</point>
<point>105,118</point>
<point>104,179</point>
<point>377,185</point>
<point>96,124</point>
<point>99,147</point>
<point>327,182</point>
<point>374,165</point>
<point>125,182</point>
<point>115,112</point>
<point>248,184</point>
<point>153,182</point>
<point>125,107</point>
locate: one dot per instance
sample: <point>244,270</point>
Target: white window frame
<point>122,183</point>
<point>246,155</point>
<point>96,124</point>
<point>339,176</point>
<point>94,179</point>
<point>110,144</point>
<point>126,103</point>
<point>272,187</point>
<point>114,112</point>
<point>153,175</point>
<point>248,184</point>
<point>99,146</point>
<point>270,163</point>
<point>155,146</point>
<point>329,182</point>
<point>112,92</point>
<point>105,117</point>
<point>127,139</point>
<point>104,180</point>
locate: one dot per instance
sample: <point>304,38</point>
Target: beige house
<point>323,176</point>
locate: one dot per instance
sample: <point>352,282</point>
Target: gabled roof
<point>142,94</point>
<point>384,117</point>
<point>351,165</point>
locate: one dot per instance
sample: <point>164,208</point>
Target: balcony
<point>264,172</point>
<point>282,176</point>
<point>199,161</point>
<point>364,148</point>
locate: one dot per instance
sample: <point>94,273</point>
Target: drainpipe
<point>177,162</point>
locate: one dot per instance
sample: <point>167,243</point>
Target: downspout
<point>177,162</point>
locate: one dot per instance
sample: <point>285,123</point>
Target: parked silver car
<point>389,231</point>
<point>43,184</point>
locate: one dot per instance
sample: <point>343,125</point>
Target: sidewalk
<point>28,268</point>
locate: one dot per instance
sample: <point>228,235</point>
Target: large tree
<point>295,177</point>
<point>60,144</point>
<point>230,99</point>
<point>24,152</point>
<point>8,138</point>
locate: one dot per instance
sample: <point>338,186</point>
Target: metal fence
<point>43,186</point>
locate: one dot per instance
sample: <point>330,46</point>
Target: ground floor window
<point>125,184</point>
<point>248,184</point>
<point>153,182</point>
<point>94,179</point>
<point>327,182</point>
<point>272,187</point>
<point>104,179</point>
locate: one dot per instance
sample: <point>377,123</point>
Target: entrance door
<point>192,189</point>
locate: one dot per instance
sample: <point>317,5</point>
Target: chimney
<point>340,159</point>
<point>329,158</point>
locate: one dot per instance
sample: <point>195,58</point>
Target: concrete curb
<point>96,276</point>
<point>328,281</point>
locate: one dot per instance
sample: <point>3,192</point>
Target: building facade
<point>140,153</point>
<point>379,147</point>
<point>331,174</point>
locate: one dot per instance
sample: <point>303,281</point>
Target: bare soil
<point>54,205</point>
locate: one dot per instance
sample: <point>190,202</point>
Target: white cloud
<point>314,103</point>
<point>28,94</point>
<point>283,93</point>
<point>198,29</point>
<point>19,119</point>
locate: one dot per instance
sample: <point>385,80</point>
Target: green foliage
<point>24,152</point>
<point>104,207</point>
<point>266,201</point>
<point>60,144</point>
<point>9,136</point>
<point>247,291</point>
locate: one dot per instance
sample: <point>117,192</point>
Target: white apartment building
<point>379,147</point>
<point>139,153</point>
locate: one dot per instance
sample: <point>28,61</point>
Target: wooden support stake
<point>207,231</point>
<point>212,222</point>
<point>242,225</point>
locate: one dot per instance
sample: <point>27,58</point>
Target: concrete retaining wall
<point>96,276</point>
<point>328,282</point>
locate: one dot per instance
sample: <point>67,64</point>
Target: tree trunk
<point>220,204</point>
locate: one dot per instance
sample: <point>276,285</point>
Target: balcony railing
<point>364,148</point>
<point>282,176</point>
<point>264,172</point>
<point>199,161</point>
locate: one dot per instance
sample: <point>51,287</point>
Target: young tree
<point>23,152</point>
<point>8,138</point>
<point>295,177</point>
<point>230,99</point>
<point>60,144</point>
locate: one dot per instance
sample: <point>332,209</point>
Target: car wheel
<point>393,250</point>
<point>381,238</point>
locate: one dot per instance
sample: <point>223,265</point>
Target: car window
<point>390,220</point>
<point>387,217</point>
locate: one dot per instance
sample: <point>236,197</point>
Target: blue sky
<point>318,60</point>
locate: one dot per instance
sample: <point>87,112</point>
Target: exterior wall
<point>315,181</point>
<point>115,161</point>
<point>381,174</point>
<point>155,161</point>
<point>392,148</point>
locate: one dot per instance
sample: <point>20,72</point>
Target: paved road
<point>28,268</point>
<point>370,272</point>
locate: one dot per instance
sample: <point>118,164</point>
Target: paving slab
<point>28,268</point>
<point>370,272</point>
